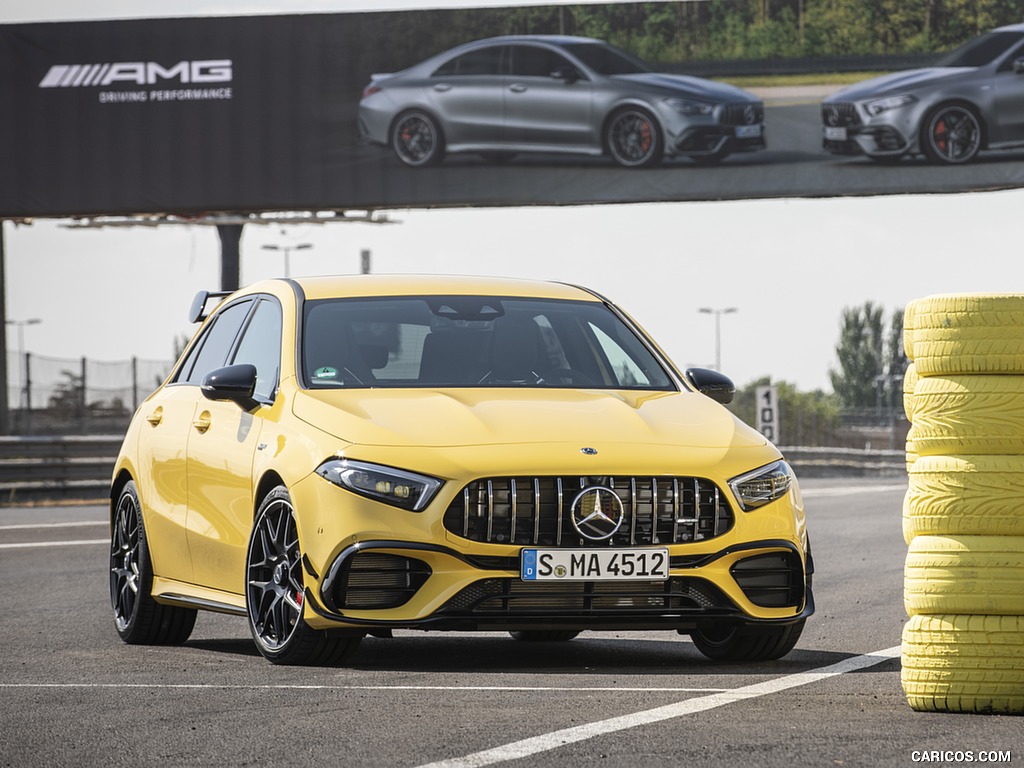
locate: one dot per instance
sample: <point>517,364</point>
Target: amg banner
<point>475,107</point>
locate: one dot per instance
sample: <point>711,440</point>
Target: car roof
<point>1010,28</point>
<point>553,39</point>
<point>435,285</point>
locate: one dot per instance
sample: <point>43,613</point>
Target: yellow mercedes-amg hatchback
<point>336,457</point>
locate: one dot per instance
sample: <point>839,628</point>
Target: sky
<point>789,266</point>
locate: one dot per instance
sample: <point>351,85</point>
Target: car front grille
<point>743,113</point>
<point>512,598</point>
<point>839,115</point>
<point>538,511</point>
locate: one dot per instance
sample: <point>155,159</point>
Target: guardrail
<point>73,468</point>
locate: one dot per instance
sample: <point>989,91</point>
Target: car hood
<point>685,85</point>
<point>899,82</point>
<point>452,418</point>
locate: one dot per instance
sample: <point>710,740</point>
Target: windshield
<point>984,50</point>
<point>473,341</point>
<point>606,60</point>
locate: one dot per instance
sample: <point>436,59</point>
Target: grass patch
<point>774,81</point>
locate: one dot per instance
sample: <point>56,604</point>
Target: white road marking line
<point>32,544</point>
<point>549,741</point>
<point>851,489</point>
<point>73,524</point>
<point>485,688</point>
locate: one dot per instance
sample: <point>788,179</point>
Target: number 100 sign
<point>767,418</point>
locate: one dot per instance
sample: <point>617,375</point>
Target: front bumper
<point>847,129</point>
<point>394,584</point>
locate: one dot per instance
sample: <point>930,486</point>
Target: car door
<point>466,93</point>
<point>1007,122</point>
<point>221,446</point>
<point>163,481</point>
<point>548,100</point>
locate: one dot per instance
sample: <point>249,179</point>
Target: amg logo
<point>136,73</point>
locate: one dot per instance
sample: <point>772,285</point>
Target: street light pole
<point>718,330</point>
<point>287,253</point>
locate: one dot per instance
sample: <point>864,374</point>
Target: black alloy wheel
<point>139,619</point>
<point>416,139</point>
<point>952,135</point>
<point>275,592</point>
<point>634,138</point>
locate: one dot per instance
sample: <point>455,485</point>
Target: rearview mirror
<point>715,385</point>
<point>236,384</point>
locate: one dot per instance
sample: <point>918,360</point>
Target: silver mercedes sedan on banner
<point>971,100</point>
<point>536,93</point>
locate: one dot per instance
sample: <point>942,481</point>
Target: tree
<point>806,418</point>
<point>871,362</point>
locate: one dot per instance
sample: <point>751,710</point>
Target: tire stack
<point>963,516</point>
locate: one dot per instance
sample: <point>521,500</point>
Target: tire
<point>633,138</point>
<point>974,415</point>
<point>964,664</point>
<point>910,379</point>
<point>543,635</point>
<point>138,618</point>
<point>952,134</point>
<point>966,575</point>
<point>968,333</point>
<point>416,139</point>
<point>966,495</point>
<point>909,313</point>
<point>275,592</point>
<point>740,642</point>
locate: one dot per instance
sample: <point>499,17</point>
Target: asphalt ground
<point>71,694</point>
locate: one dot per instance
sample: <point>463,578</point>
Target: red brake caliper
<point>940,134</point>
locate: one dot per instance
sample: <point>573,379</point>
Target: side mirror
<point>236,384</point>
<point>715,385</point>
<point>568,75</point>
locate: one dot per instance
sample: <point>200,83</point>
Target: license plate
<point>835,134</point>
<point>594,564</point>
<point>748,131</point>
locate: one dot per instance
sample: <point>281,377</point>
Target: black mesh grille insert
<point>374,580</point>
<point>511,597</point>
<point>743,113</point>
<point>774,580</point>
<point>537,511</point>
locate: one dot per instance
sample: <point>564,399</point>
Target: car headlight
<point>397,487</point>
<point>763,486</point>
<point>689,107</point>
<point>878,106</point>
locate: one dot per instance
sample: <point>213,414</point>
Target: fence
<point>60,396</point>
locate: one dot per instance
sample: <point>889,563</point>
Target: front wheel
<point>417,140</point>
<point>739,642</point>
<point>951,135</point>
<point>274,592</point>
<point>633,138</point>
<point>139,619</point>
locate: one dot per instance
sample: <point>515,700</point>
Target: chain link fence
<point>67,396</point>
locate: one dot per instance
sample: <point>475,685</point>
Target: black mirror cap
<point>236,383</point>
<point>715,385</point>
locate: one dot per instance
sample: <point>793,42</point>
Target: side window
<point>261,346</point>
<point>531,61</point>
<point>213,348</point>
<point>482,61</point>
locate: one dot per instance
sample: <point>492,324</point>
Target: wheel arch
<point>121,479</point>
<point>268,482</point>
<point>428,111</point>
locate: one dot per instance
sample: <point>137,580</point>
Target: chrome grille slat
<point>681,510</point>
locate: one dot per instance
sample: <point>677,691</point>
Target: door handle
<point>203,422</point>
<point>517,88</point>
<point>156,416</point>
<point>442,87</point>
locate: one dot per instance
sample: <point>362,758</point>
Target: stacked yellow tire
<point>963,516</point>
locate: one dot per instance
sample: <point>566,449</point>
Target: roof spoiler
<point>197,313</point>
